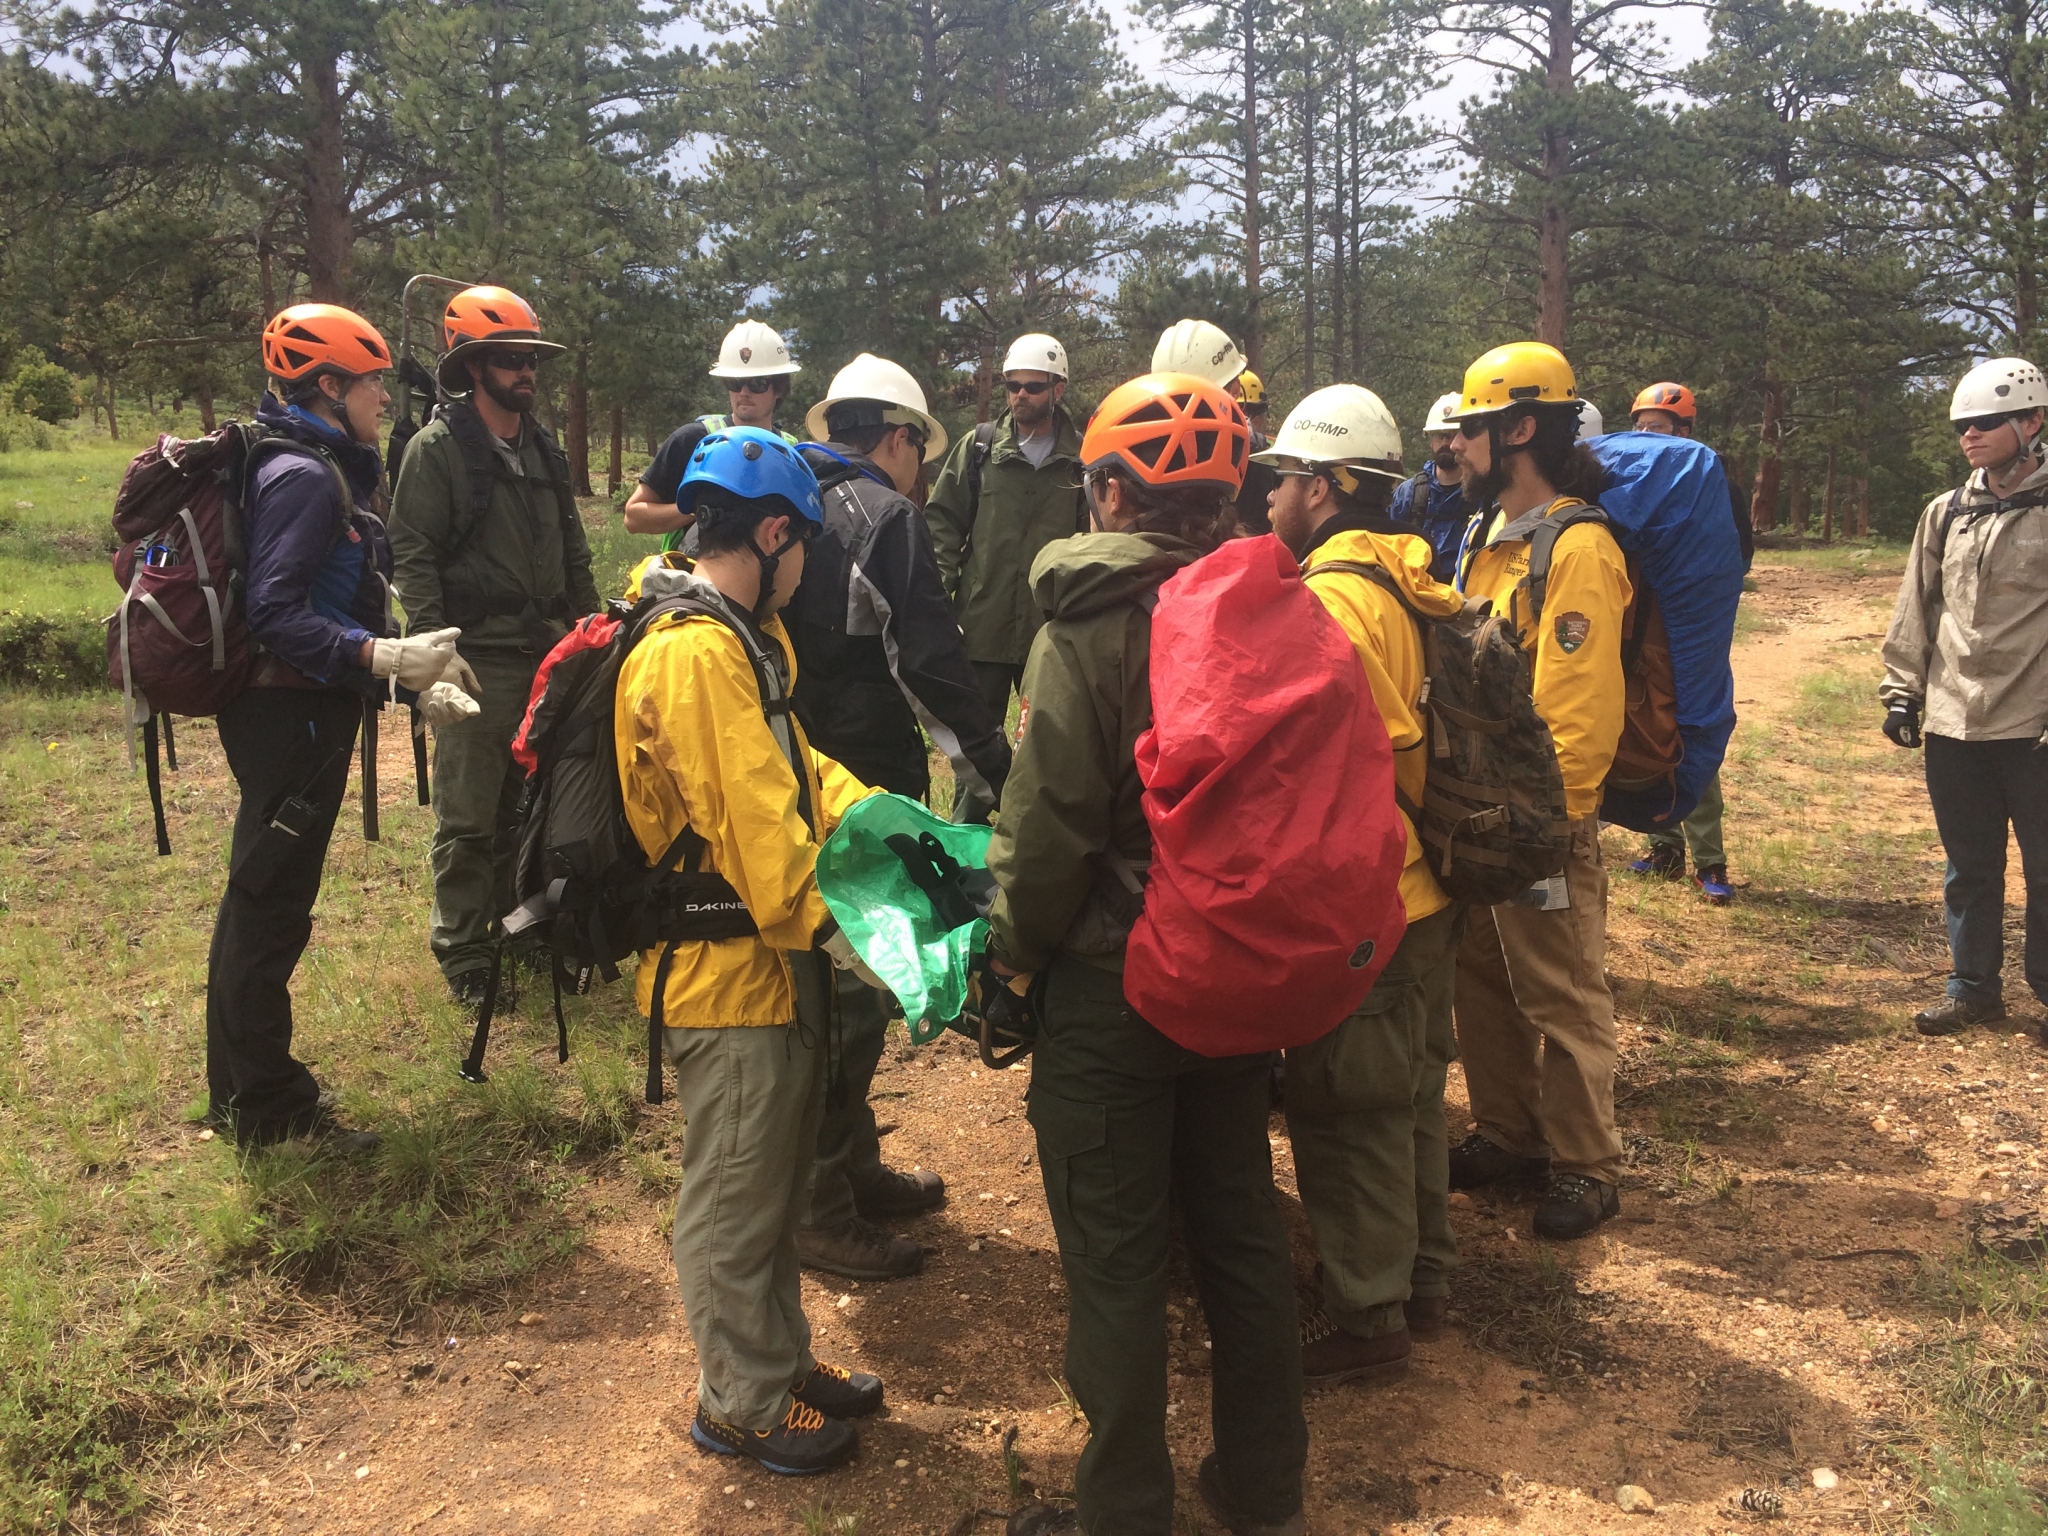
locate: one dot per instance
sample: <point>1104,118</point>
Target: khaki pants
<point>477,790</point>
<point>1536,1022</point>
<point>752,1099</point>
<point>1365,1111</point>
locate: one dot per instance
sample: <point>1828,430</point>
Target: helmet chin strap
<point>768,561</point>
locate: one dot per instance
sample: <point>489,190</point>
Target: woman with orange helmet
<point>1123,1116</point>
<point>316,588</point>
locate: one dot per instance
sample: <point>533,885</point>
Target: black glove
<point>1902,723</point>
<point>1002,1014</point>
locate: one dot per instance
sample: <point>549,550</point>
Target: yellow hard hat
<point>1520,373</point>
<point>1251,390</point>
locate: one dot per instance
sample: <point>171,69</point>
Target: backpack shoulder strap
<point>260,443</point>
<point>1543,547</point>
<point>467,428</point>
<point>977,457</point>
<point>558,477</point>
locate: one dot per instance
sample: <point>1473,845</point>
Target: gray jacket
<point>1969,634</point>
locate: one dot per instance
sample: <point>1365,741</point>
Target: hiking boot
<point>469,989</point>
<point>891,1193</point>
<point>1330,1355</point>
<point>320,1123</point>
<point>839,1393</point>
<point>1041,1520</point>
<point>1426,1316</point>
<point>1661,861</point>
<point>805,1442</point>
<point>1574,1205</point>
<point>1476,1161</point>
<point>1209,1483</point>
<point>1952,1015</point>
<point>858,1250</point>
<point>1712,880</point>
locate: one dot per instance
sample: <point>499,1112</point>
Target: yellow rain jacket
<point>1575,652</point>
<point>1389,647</point>
<point>694,746</point>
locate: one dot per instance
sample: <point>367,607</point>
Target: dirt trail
<point>1740,1326</point>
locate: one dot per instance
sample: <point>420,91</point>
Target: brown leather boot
<point>1209,1483</point>
<point>1426,1316</point>
<point>858,1250</point>
<point>1329,1355</point>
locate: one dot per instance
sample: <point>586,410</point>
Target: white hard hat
<point>1591,422</point>
<point>752,350</point>
<point>1443,416</point>
<point>887,386</point>
<point>1038,352</point>
<point>2001,385</point>
<point>1197,347</point>
<point>1343,425</point>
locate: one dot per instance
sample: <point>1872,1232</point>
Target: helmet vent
<point>1179,459</point>
<point>1525,392</point>
<point>295,358</point>
<point>1152,410</point>
<point>300,333</point>
<point>1203,411</point>
<point>1205,443</point>
<point>494,317</point>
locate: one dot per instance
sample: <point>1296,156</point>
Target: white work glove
<point>416,661</point>
<point>462,675</point>
<point>842,953</point>
<point>444,704</point>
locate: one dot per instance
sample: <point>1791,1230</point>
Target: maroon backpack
<point>178,643</point>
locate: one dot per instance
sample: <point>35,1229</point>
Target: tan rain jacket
<point>1969,634</point>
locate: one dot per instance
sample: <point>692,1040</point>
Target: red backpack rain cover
<point>1274,896</point>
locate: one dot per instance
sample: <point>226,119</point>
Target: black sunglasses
<point>1012,386</point>
<point>516,362</point>
<point>1981,423</point>
<point>751,386</point>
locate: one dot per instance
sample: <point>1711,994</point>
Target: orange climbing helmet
<point>1675,399</point>
<point>487,316</point>
<point>1169,430</point>
<point>309,338</point>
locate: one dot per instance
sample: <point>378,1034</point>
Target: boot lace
<point>801,1420</point>
<point>1316,1327</point>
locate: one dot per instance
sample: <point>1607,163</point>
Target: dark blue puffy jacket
<point>1441,519</point>
<point>319,572</point>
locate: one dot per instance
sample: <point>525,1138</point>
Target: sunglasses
<point>750,386</point>
<point>1981,423</point>
<point>1472,429</point>
<point>1296,474</point>
<point>1015,387</point>
<point>516,362</point>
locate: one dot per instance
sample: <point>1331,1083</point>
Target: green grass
<point>156,1288</point>
<point>1861,557</point>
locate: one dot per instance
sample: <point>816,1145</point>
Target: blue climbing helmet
<point>752,464</point>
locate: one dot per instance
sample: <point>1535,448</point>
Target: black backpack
<point>1492,819</point>
<point>586,889</point>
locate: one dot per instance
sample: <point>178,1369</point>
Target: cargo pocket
<point>1080,1175</point>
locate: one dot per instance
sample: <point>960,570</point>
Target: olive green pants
<point>1130,1124</point>
<point>1365,1111</point>
<point>1701,831</point>
<point>849,1154</point>
<point>477,788</point>
<point>751,1099</point>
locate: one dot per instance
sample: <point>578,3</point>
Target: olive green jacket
<point>985,552</point>
<point>1073,790</point>
<point>525,563</point>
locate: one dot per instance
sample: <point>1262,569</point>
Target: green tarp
<point>868,873</point>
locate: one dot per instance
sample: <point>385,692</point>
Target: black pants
<point>1978,789</point>
<point>282,744</point>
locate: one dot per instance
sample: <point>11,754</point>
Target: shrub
<point>42,389</point>
<point>57,652</point>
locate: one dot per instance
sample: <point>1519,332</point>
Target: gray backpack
<point>1492,819</point>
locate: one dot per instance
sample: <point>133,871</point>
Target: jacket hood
<point>1072,578</point>
<point>360,463</point>
<point>1403,556</point>
<point>834,462</point>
